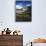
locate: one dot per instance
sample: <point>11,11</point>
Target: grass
<point>23,17</point>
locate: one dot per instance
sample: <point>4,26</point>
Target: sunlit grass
<point>23,15</point>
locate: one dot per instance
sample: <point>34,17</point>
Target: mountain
<point>22,10</point>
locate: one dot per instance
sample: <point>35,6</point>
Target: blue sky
<point>23,3</point>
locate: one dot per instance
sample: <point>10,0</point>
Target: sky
<point>31,30</point>
<point>21,4</point>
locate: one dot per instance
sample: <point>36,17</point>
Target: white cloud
<point>28,5</point>
<point>18,7</point>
